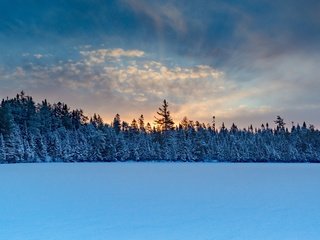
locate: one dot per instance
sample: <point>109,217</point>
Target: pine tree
<point>122,150</point>
<point>67,150</point>
<point>54,146</point>
<point>141,123</point>
<point>184,123</point>
<point>223,128</point>
<point>214,123</point>
<point>41,148</point>
<point>2,150</point>
<point>149,128</point>
<point>280,123</point>
<point>14,146</point>
<point>78,118</point>
<point>164,121</point>
<point>134,126</point>
<point>97,121</point>
<point>81,146</point>
<point>96,139</point>
<point>233,128</point>
<point>117,123</point>
<point>6,119</point>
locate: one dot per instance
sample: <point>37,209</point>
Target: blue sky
<point>243,61</point>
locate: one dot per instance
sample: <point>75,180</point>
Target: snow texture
<point>169,201</point>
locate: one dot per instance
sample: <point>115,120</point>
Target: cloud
<point>163,14</point>
<point>19,72</point>
<point>157,81</point>
<point>139,80</point>
<point>102,55</point>
<point>38,55</point>
<point>133,82</point>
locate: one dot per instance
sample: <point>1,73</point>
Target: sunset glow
<point>242,61</point>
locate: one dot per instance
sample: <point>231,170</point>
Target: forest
<point>45,132</point>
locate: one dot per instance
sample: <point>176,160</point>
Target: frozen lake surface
<point>159,201</point>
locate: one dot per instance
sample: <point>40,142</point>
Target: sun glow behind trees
<point>31,132</point>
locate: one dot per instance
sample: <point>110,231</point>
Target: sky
<point>243,61</point>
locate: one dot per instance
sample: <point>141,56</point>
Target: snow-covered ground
<point>159,201</point>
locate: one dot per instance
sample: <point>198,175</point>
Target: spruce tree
<point>134,126</point>
<point>6,119</point>
<point>2,150</point>
<point>164,121</point>
<point>141,123</point>
<point>117,123</point>
<point>280,123</point>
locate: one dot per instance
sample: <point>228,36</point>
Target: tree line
<point>46,132</point>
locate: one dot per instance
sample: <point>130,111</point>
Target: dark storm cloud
<point>214,21</point>
<point>226,30</point>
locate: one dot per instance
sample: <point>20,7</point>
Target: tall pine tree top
<point>164,120</point>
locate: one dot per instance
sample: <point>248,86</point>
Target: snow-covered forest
<point>45,132</point>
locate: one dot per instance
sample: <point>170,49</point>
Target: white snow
<point>159,201</point>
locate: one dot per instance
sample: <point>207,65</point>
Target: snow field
<point>159,201</point>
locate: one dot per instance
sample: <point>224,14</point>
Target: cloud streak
<point>163,14</point>
<point>102,55</point>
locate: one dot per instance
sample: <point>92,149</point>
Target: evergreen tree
<point>134,126</point>
<point>164,121</point>
<point>214,123</point>
<point>280,123</point>
<point>2,150</point>
<point>141,123</point>
<point>148,128</point>
<point>78,118</point>
<point>14,146</point>
<point>97,121</point>
<point>6,119</point>
<point>117,123</point>
<point>184,123</point>
<point>41,149</point>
